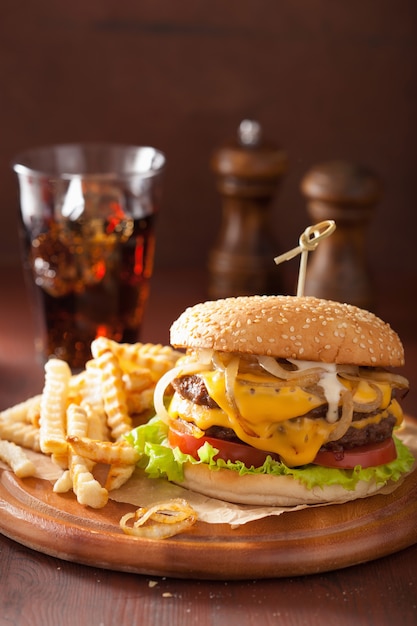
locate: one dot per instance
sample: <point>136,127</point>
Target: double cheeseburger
<point>279,400</point>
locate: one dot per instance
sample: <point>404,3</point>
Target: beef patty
<point>192,388</point>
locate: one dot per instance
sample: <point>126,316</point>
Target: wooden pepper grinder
<point>346,193</point>
<point>248,171</point>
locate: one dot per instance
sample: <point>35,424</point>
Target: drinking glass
<point>88,238</point>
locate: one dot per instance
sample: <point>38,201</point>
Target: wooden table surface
<point>39,590</point>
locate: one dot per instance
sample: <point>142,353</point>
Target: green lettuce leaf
<point>159,460</point>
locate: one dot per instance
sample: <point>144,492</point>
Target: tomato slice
<point>228,450</point>
<point>370,455</point>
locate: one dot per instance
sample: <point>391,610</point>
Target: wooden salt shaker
<point>248,172</point>
<point>346,193</point>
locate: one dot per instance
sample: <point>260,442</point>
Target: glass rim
<point>24,161</point>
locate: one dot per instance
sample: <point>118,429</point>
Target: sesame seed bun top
<point>304,328</point>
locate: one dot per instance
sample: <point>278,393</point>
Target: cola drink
<point>88,250</point>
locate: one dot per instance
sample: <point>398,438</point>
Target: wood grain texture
<point>313,540</point>
<point>38,590</point>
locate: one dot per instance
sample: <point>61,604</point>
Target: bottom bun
<point>267,490</point>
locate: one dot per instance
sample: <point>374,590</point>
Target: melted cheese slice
<point>271,416</point>
<point>366,393</point>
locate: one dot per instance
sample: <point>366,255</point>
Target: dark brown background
<point>326,79</point>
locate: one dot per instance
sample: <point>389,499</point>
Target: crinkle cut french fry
<point>107,452</point>
<point>157,358</point>
<point>14,456</point>
<point>93,384</point>
<point>139,386</point>
<point>76,424</point>
<point>53,407</point>
<point>63,483</point>
<point>138,380</point>
<point>88,490</point>
<point>60,459</point>
<point>118,475</point>
<point>77,421</point>
<point>33,415</point>
<point>77,387</point>
<point>140,402</point>
<point>101,345</point>
<point>114,395</point>
<point>22,434</point>
<point>21,412</point>
<point>18,424</point>
<point>97,421</point>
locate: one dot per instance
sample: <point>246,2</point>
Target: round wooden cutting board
<point>311,540</point>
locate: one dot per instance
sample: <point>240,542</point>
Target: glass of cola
<point>87,215</point>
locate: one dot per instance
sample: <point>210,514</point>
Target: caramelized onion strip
<point>346,418</point>
<point>217,361</point>
<point>230,381</point>
<point>160,521</point>
<point>272,366</point>
<point>304,382</point>
<point>204,356</point>
<point>383,376</point>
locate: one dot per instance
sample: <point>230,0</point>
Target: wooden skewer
<point>309,240</point>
